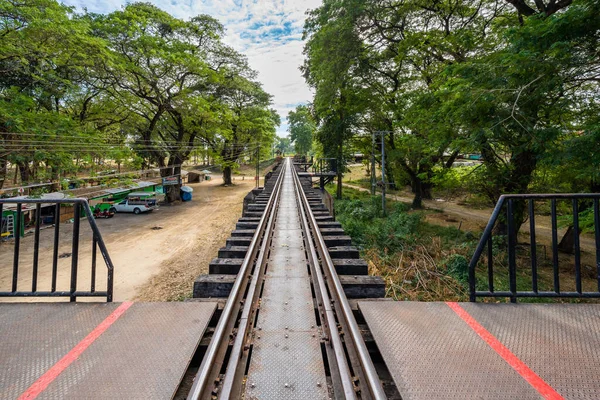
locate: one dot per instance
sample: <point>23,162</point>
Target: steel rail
<point>371,376</point>
<point>203,374</point>
<point>338,348</point>
<point>238,345</point>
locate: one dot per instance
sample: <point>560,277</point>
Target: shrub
<point>363,222</point>
<point>457,266</point>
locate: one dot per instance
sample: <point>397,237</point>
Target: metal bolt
<point>286,302</point>
<point>286,327</point>
<point>253,385</point>
<point>314,335</point>
<point>286,385</point>
<point>286,336</point>
<point>319,384</point>
<point>258,337</point>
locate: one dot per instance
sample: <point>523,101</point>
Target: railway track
<point>287,329</point>
<point>285,314</point>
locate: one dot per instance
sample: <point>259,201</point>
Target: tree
<point>392,56</point>
<point>45,52</point>
<point>519,103</point>
<point>330,51</point>
<point>283,145</point>
<point>302,128</point>
<point>248,124</point>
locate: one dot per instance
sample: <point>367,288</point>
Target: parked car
<point>134,206</point>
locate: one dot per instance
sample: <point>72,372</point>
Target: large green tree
<point>45,53</point>
<point>302,127</point>
<point>522,102</point>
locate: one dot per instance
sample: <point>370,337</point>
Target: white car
<point>135,207</point>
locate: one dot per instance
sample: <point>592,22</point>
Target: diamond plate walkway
<point>286,358</point>
<point>488,351</point>
<point>139,352</point>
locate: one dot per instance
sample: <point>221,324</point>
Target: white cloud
<point>267,31</point>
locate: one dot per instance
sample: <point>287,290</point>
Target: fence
<point>506,215</point>
<point>81,208</point>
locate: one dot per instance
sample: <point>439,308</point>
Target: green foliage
<point>453,182</point>
<point>519,88</point>
<point>283,145</point>
<point>362,220</point>
<point>302,128</point>
<point>457,266</point>
<point>77,89</point>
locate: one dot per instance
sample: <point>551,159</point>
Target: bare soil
<point>156,255</point>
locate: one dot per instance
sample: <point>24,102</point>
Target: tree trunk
<point>55,177</point>
<point>227,175</point>
<point>422,191</point>
<point>338,190</point>
<point>567,243</point>
<point>24,171</point>
<point>3,170</point>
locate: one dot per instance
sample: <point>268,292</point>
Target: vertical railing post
<point>36,247</point>
<point>94,250</point>
<point>75,249</point>
<point>597,234</point>
<point>512,262</point>
<point>55,249</point>
<point>17,236</point>
<point>533,244</point>
<point>576,246</point>
<point>554,246</point>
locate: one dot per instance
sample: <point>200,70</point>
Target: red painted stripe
<point>522,369</point>
<point>43,381</point>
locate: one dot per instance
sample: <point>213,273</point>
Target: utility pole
<point>257,165</point>
<point>383,182</point>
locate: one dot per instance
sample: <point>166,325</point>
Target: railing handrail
<point>485,237</point>
<point>97,239</point>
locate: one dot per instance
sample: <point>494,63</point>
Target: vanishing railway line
<point>287,329</point>
<point>288,311</point>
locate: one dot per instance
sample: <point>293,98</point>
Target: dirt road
<point>156,255</point>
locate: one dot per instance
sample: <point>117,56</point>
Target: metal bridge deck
<point>475,350</point>
<point>286,358</point>
<point>141,353</point>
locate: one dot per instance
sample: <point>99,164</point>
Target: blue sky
<point>269,32</point>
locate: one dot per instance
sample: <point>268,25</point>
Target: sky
<point>268,32</point>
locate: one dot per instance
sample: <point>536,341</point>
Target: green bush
<point>362,220</point>
<point>457,266</point>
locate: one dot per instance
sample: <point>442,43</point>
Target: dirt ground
<point>156,255</point>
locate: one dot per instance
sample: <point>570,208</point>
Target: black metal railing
<point>325,165</point>
<point>79,206</point>
<point>537,279</point>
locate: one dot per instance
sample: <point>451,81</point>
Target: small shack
<point>195,176</point>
